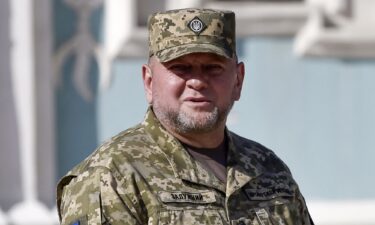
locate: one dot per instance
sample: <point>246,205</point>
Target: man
<point>181,165</point>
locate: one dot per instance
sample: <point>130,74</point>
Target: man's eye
<point>214,68</point>
<point>180,68</point>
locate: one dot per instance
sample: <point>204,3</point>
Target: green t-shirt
<point>212,159</point>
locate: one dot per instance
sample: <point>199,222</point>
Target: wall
<point>316,114</point>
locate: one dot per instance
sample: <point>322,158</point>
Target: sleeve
<point>302,215</point>
<point>302,210</point>
<point>96,197</point>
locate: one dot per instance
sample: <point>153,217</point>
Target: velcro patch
<point>270,186</point>
<point>269,193</point>
<point>191,197</point>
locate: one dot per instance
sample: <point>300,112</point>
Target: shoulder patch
<point>269,193</point>
<point>269,186</point>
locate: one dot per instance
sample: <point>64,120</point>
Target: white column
<point>45,95</point>
<point>29,211</point>
<point>3,69</point>
<point>120,25</point>
<point>173,4</point>
<point>3,219</point>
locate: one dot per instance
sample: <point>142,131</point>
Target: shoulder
<point>107,164</point>
<point>264,156</point>
<point>273,185</point>
<point>78,196</point>
<point>119,150</point>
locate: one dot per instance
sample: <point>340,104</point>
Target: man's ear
<point>147,82</point>
<point>239,80</point>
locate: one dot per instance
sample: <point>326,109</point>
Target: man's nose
<point>197,82</point>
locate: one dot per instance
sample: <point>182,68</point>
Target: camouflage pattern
<point>178,32</point>
<point>145,176</point>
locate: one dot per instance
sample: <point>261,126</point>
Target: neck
<point>210,139</point>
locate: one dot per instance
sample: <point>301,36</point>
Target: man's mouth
<point>198,102</point>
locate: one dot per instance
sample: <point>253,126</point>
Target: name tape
<point>192,197</point>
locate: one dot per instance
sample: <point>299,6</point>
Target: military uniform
<point>145,176</point>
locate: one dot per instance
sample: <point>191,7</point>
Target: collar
<point>245,162</point>
<point>241,167</point>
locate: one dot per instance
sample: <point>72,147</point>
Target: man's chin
<point>199,115</point>
<point>197,121</point>
<point>199,111</point>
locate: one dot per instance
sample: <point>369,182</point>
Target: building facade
<point>70,77</point>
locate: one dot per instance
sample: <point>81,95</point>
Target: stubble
<point>197,122</point>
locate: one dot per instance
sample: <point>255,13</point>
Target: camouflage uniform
<point>145,176</point>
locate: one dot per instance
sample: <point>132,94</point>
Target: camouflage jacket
<point>144,176</point>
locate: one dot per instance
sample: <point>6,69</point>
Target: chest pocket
<point>261,216</point>
<point>192,216</point>
<point>191,208</point>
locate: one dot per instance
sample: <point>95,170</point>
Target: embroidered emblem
<point>268,193</point>
<point>196,25</point>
